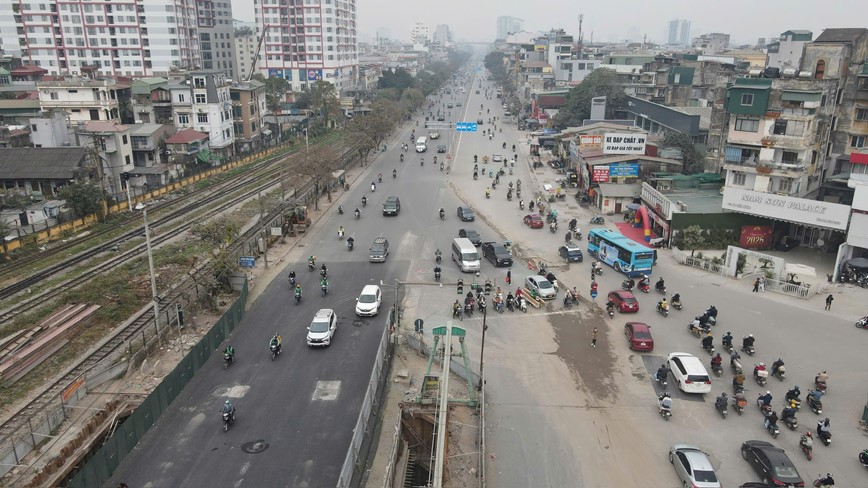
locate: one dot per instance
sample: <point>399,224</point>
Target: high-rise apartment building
<point>216,35</point>
<point>678,33</point>
<point>442,35</point>
<point>419,33</point>
<point>507,25</point>
<point>133,38</point>
<point>245,49</point>
<point>310,41</point>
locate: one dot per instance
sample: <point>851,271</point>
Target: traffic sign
<point>465,126</point>
<point>247,261</point>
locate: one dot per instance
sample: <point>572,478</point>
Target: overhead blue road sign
<point>465,126</point>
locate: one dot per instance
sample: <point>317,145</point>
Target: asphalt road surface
<point>296,414</point>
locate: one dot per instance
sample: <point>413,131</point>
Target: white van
<point>421,144</point>
<point>465,255</point>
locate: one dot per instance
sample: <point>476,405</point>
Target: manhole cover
<point>254,447</point>
<point>359,323</point>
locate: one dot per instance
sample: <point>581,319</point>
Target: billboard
<point>601,174</point>
<point>755,237</point>
<point>624,169</point>
<point>790,209</point>
<point>617,143</point>
<point>314,74</point>
<point>590,142</point>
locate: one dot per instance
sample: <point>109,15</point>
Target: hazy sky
<point>609,20</point>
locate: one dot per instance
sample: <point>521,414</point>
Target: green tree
<point>494,64</point>
<point>601,82</point>
<point>692,158</point>
<point>399,79</point>
<point>692,238</point>
<point>324,101</point>
<point>82,198</point>
<point>5,230</point>
<point>275,90</point>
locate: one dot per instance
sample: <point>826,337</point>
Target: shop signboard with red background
<point>601,174</point>
<point>755,237</point>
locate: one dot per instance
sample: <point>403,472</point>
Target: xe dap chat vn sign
<point>617,143</point>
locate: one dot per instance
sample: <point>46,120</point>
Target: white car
<point>689,372</point>
<point>322,328</point>
<point>368,303</point>
<point>544,288</point>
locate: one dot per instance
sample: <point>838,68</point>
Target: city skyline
<point>608,21</point>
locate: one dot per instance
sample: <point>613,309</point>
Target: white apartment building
<point>82,99</point>
<point>115,150</point>
<point>419,33</point>
<point>442,35</point>
<point>311,42</point>
<point>132,38</point>
<point>202,103</point>
<point>245,49</point>
<point>216,35</point>
<point>786,51</point>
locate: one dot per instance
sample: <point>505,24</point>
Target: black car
<point>379,250</point>
<point>466,214</point>
<point>440,118</point>
<point>571,252</point>
<point>392,205</point>
<point>771,464</point>
<point>471,236</point>
<point>496,253</point>
<point>441,148</point>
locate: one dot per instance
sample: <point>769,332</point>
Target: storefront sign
<point>799,210</point>
<point>623,169</point>
<point>590,142</point>
<point>755,237</point>
<point>601,174</point>
<point>616,143</point>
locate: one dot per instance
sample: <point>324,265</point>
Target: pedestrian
<point>756,283</point>
<point>829,301</point>
<point>594,338</point>
<point>762,280</point>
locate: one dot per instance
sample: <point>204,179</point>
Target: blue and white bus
<point>620,252</point>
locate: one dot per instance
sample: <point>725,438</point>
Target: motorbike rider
<point>721,401</point>
<point>456,309</point>
<point>662,372</point>
<point>298,290</point>
<point>402,157</point>
<point>323,271</point>
<point>712,311</point>
<point>341,209</point>
<point>373,186</point>
<point>738,381</point>
<point>574,224</point>
<point>788,413</point>
<point>807,440</point>
<point>487,192</point>
<point>350,242</point>
<point>510,300</point>
<point>814,396</point>
<point>276,341</point>
<point>716,361</point>
<point>660,286</point>
<point>358,212</point>
<point>631,283</point>
<point>228,408</point>
<point>827,481</point>
<point>644,282</point>
<point>776,365</point>
<point>610,306</point>
<point>727,340</point>
<point>766,399</point>
<point>553,226</point>
<point>311,261</point>
<point>759,367</point>
<point>707,341</point>
<point>665,402</point>
<point>823,427</point>
<point>394,173</point>
<point>747,342</point>
<point>772,420</point>
<point>663,304</point>
<point>821,378</point>
<point>442,213</point>
<point>793,394</point>
<point>341,231</point>
<point>292,276</point>
<point>324,283</point>
<point>229,351</point>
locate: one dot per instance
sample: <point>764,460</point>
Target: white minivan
<point>689,372</point>
<point>421,144</point>
<point>465,255</point>
<point>368,303</point>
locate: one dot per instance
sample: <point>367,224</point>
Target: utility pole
<point>262,230</point>
<point>154,296</point>
<point>482,351</point>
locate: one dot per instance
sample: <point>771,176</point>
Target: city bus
<point>618,251</point>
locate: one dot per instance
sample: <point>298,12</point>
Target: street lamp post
<point>154,296</point>
<point>482,352</point>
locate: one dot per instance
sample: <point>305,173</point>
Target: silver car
<point>692,466</point>
<point>544,288</point>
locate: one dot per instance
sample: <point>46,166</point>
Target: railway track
<point>121,336</point>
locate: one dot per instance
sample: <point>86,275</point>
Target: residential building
<point>189,146</point>
<point>150,157</point>
<point>660,119</point>
<point>51,129</point>
<point>309,43</point>
<point>678,33</point>
<point>85,99</point>
<point>42,171</point>
<point>711,44</point>
<point>442,35</point>
<point>419,34</point>
<point>203,103</point>
<point>216,36</point>
<point>744,59</point>
<point>248,110</point>
<point>133,38</point>
<point>14,136</point>
<point>786,52</point>
<point>245,43</point>
<point>776,143</point>
<point>110,142</point>
<point>152,100</point>
<point>507,25</point>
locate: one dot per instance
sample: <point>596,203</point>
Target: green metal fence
<point>100,467</point>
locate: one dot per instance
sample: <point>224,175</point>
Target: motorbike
<point>772,429</point>
<point>597,220</point>
<point>678,305</point>
<point>697,331</point>
<point>340,209</point>
<point>660,289</point>
<point>739,402</point>
<point>340,235</point>
<point>228,418</point>
<point>441,166</point>
<point>521,304</point>
<point>663,382</point>
<point>824,482</point>
<point>825,437</point>
<point>402,158</point>
<point>721,409</point>
<point>666,413</point>
<point>709,350</point>
<point>358,215</point>
<point>349,245</point>
<point>292,282</point>
<point>662,311</point>
<point>717,369</point>
<point>815,405</point>
<point>442,215</point>
<point>274,351</point>
<point>863,458</point>
<point>807,445</point>
<point>598,270</point>
<point>325,289</point>
<point>781,373</point>
<point>456,313</point>
<point>436,275</point>
<point>761,376</point>
<point>297,298</point>
<point>728,348</point>
<point>765,409</point>
<point>792,423</point>
<point>521,205</point>
<point>862,323</point>
<point>750,351</point>
<point>627,285</point>
<point>644,288</point>
<point>611,312</point>
<point>820,385</point>
<point>227,360</point>
<point>310,266</point>
<point>438,257</point>
<point>373,188</point>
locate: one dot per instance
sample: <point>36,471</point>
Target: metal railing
<point>803,291</point>
<point>702,263</point>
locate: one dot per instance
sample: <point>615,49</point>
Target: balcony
<point>143,145</point>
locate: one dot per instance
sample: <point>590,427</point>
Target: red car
<point>639,336</point>
<point>624,301</point>
<point>534,221</point>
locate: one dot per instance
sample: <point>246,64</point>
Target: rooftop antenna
<point>579,43</point>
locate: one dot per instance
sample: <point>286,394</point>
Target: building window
<point>183,119</point>
<point>124,140</point>
<point>820,71</point>
<point>127,159</point>
<point>746,125</point>
<point>181,97</point>
<point>200,98</point>
<point>202,118</point>
<point>857,141</point>
<point>53,95</point>
<point>862,114</point>
<point>738,179</point>
<point>785,185</point>
<point>747,99</point>
<point>789,157</point>
<point>780,128</point>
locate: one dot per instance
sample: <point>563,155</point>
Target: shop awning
<point>801,96</point>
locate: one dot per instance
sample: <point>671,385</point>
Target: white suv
<point>368,303</point>
<point>322,328</point>
<point>689,372</point>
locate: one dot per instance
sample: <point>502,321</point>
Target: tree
<point>360,137</point>
<point>494,64</point>
<point>398,79</point>
<point>82,198</point>
<point>324,101</point>
<point>692,238</point>
<point>275,91</point>
<point>601,82</point>
<point>220,230</point>
<point>693,161</point>
<point>5,230</point>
